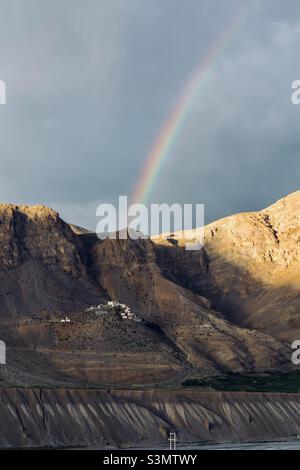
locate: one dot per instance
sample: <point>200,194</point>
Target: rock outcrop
<point>100,419</point>
<point>42,264</point>
<point>248,268</point>
<point>231,306</point>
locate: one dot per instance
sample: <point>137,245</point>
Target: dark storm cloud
<point>89,84</point>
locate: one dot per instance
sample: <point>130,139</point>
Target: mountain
<point>249,268</point>
<point>231,306</point>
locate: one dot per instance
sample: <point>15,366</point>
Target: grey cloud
<point>91,83</point>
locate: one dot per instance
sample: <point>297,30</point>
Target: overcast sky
<point>90,84</point>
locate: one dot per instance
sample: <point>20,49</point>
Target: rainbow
<point>167,135</point>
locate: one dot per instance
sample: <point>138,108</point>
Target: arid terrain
<point>101,419</point>
<point>231,307</point>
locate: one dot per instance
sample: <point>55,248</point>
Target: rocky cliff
<point>231,306</point>
<point>74,418</point>
<point>248,268</point>
<point>42,263</point>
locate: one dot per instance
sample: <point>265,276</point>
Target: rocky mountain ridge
<point>249,267</point>
<point>231,306</point>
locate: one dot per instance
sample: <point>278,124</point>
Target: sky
<point>91,84</point>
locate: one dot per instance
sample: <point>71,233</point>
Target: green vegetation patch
<point>275,382</point>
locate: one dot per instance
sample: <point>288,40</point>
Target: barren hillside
<point>232,306</point>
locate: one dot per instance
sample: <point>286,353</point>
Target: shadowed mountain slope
<point>227,307</point>
<point>249,267</point>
